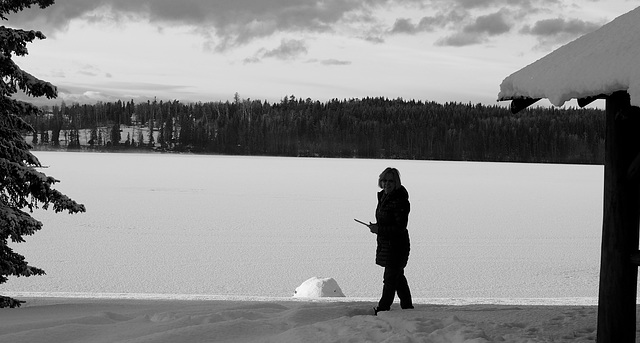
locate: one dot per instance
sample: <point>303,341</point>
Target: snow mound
<point>317,287</point>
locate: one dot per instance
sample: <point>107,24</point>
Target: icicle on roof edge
<point>598,63</point>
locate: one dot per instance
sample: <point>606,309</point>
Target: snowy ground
<point>260,226</point>
<point>112,320</point>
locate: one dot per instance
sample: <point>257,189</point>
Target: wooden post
<point>618,275</point>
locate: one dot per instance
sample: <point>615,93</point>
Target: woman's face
<point>388,183</point>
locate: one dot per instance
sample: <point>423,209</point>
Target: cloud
<point>492,24</point>
<point>227,23</point>
<point>428,23</point>
<point>87,73</point>
<point>404,25</point>
<point>551,32</point>
<point>88,96</point>
<point>470,22</point>
<point>560,26</point>
<point>334,62</point>
<point>373,39</point>
<point>493,4</point>
<point>476,3</point>
<point>287,50</point>
<point>459,26</point>
<point>112,91</point>
<point>478,30</point>
<point>460,39</point>
<point>69,96</point>
<point>329,62</point>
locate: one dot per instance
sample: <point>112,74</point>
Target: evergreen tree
<point>94,136</point>
<point>115,134</point>
<point>140,137</point>
<point>21,185</point>
<point>35,137</point>
<point>152,142</point>
<point>44,137</point>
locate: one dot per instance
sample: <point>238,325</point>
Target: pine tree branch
<point>12,263</point>
<point>14,224</point>
<point>9,6</point>
<point>15,78</point>
<point>14,41</point>
<point>10,302</point>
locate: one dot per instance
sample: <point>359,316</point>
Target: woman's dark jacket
<point>392,215</point>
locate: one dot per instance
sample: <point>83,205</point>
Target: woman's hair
<point>395,175</point>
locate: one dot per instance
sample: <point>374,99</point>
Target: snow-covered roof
<point>601,62</point>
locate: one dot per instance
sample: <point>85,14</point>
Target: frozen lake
<point>260,226</point>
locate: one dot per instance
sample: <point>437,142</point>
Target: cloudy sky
<point>208,50</point>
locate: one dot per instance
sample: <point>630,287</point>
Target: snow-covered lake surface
<point>165,225</point>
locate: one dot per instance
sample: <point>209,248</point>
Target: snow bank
<point>316,287</point>
<point>601,62</point>
<point>127,320</point>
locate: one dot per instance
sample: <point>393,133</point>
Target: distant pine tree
<point>115,134</point>
<point>21,185</point>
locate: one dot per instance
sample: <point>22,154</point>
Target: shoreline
<point>574,301</point>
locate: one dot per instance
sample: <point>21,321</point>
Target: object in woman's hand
<point>361,222</point>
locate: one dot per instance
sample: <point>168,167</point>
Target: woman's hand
<point>373,228</point>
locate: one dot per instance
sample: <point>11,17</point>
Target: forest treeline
<point>362,128</point>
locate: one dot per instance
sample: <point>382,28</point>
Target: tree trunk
<point>618,275</point>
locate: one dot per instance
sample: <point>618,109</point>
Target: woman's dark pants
<point>395,281</point>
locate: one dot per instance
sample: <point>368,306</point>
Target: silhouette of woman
<point>392,252</point>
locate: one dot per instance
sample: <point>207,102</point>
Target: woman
<point>392,252</point>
